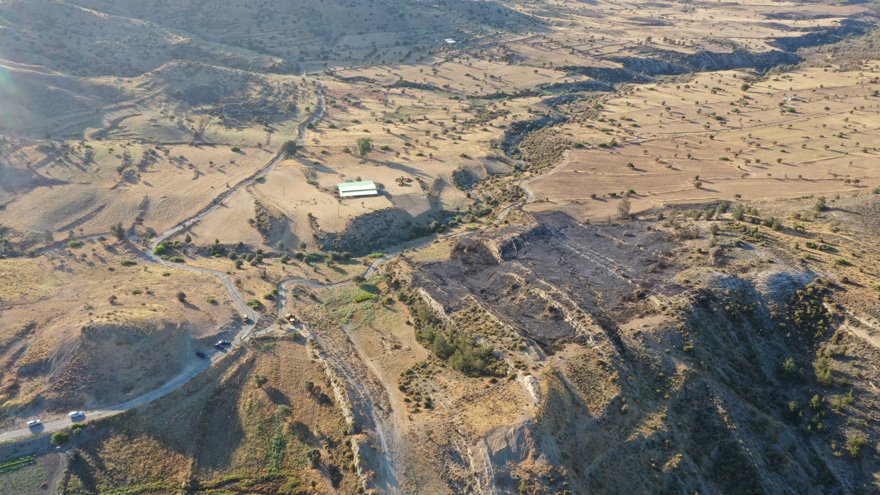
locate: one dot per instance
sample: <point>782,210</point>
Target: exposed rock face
<point>373,231</point>
<point>657,62</point>
<point>657,375</point>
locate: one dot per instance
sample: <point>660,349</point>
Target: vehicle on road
<point>201,355</point>
<point>34,423</point>
<point>223,343</point>
<point>76,415</point>
<point>220,348</point>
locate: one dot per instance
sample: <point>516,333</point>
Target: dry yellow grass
<point>47,301</point>
<point>801,133</point>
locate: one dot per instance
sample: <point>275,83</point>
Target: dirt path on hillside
<point>245,330</point>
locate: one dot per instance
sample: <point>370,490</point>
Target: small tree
<point>314,457</point>
<point>181,296</point>
<point>623,209</point>
<point>365,146</point>
<point>290,147</point>
<point>260,380</point>
<point>118,231</point>
<point>821,204</point>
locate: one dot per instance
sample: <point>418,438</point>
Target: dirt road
<point>245,331</point>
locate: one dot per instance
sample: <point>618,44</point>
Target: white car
<point>34,422</point>
<point>76,414</point>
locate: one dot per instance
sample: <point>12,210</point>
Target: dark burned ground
<point>528,276</point>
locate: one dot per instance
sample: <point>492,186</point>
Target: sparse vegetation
<point>364,146</point>
<point>684,351</point>
<point>59,438</point>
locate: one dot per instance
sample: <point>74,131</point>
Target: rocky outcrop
<point>376,230</point>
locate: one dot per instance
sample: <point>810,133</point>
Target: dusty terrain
<point>619,247</point>
<point>721,136</point>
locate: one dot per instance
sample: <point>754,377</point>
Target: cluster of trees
<point>458,349</point>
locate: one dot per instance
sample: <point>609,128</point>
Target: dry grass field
<point>94,324</point>
<point>88,188</point>
<point>721,136</point>
<point>228,433</point>
<point>631,245</point>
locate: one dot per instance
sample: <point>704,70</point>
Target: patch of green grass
<point>128,262</point>
<point>140,489</point>
<point>277,449</point>
<point>14,464</point>
<point>74,244</point>
<point>345,314</point>
<point>22,476</point>
<point>364,296</point>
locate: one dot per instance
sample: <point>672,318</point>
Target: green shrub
<point>855,442</point>
<point>364,146</point>
<point>314,457</point>
<point>364,296</point>
<point>74,244</point>
<point>59,438</point>
<point>789,370</point>
<point>128,262</point>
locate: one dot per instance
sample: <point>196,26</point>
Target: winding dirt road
<point>367,394</point>
<point>245,331</point>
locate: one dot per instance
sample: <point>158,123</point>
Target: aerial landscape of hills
<point>461,246</point>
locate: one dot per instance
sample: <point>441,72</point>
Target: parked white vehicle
<point>34,422</point>
<point>76,414</point>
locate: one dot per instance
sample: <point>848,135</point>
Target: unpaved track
<point>367,392</point>
<point>245,331</point>
<point>370,407</point>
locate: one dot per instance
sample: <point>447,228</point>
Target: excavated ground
<point>531,277</point>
